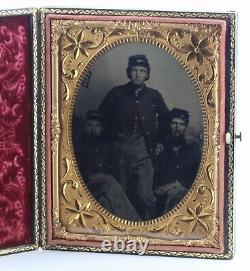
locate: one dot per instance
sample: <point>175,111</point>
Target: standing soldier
<point>136,118</point>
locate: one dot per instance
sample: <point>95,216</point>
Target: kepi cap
<point>179,113</point>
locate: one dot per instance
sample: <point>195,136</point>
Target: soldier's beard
<point>92,138</point>
<point>138,83</point>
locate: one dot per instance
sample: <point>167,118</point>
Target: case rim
<point>39,224</point>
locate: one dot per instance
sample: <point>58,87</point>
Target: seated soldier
<point>93,155</point>
<point>177,165</point>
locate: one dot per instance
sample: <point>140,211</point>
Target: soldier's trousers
<point>170,199</point>
<point>135,173</point>
<point>109,193</point>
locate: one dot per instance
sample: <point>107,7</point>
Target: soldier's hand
<point>159,148</point>
<point>160,190</point>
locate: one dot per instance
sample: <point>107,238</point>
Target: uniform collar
<point>132,87</point>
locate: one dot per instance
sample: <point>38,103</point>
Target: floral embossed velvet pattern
<point>15,132</point>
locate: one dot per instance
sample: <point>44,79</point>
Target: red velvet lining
<point>15,131</point>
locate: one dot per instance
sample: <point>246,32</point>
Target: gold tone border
<point>35,124</point>
<point>162,35</point>
<point>35,196</point>
<point>43,213</point>
<point>229,16</point>
<point>230,152</point>
<point>78,83</point>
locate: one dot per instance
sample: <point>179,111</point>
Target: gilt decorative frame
<point>203,44</point>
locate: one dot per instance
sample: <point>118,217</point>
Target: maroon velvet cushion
<point>15,131</point>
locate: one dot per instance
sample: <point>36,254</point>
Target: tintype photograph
<point>137,131</point>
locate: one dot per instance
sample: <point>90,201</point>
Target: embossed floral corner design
<point>196,47</point>
<point>197,218</point>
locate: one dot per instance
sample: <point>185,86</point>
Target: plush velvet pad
<point>15,131</point>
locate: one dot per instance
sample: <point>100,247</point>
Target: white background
<point>54,260</point>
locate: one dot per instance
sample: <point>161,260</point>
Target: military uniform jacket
<point>179,166</point>
<point>121,105</point>
<point>94,156</point>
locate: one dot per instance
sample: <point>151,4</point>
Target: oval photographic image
<point>137,131</point>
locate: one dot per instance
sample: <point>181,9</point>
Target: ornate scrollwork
<point>197,217</point>
<point>59,229</point>
<point>79,209</point>
<point>80,45</point>
<point>80,213</point>
<point>55,130</point>
<point>196,47</point>
<point>77,45</point>
<point>139,29</point>
<point>210,172</point>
